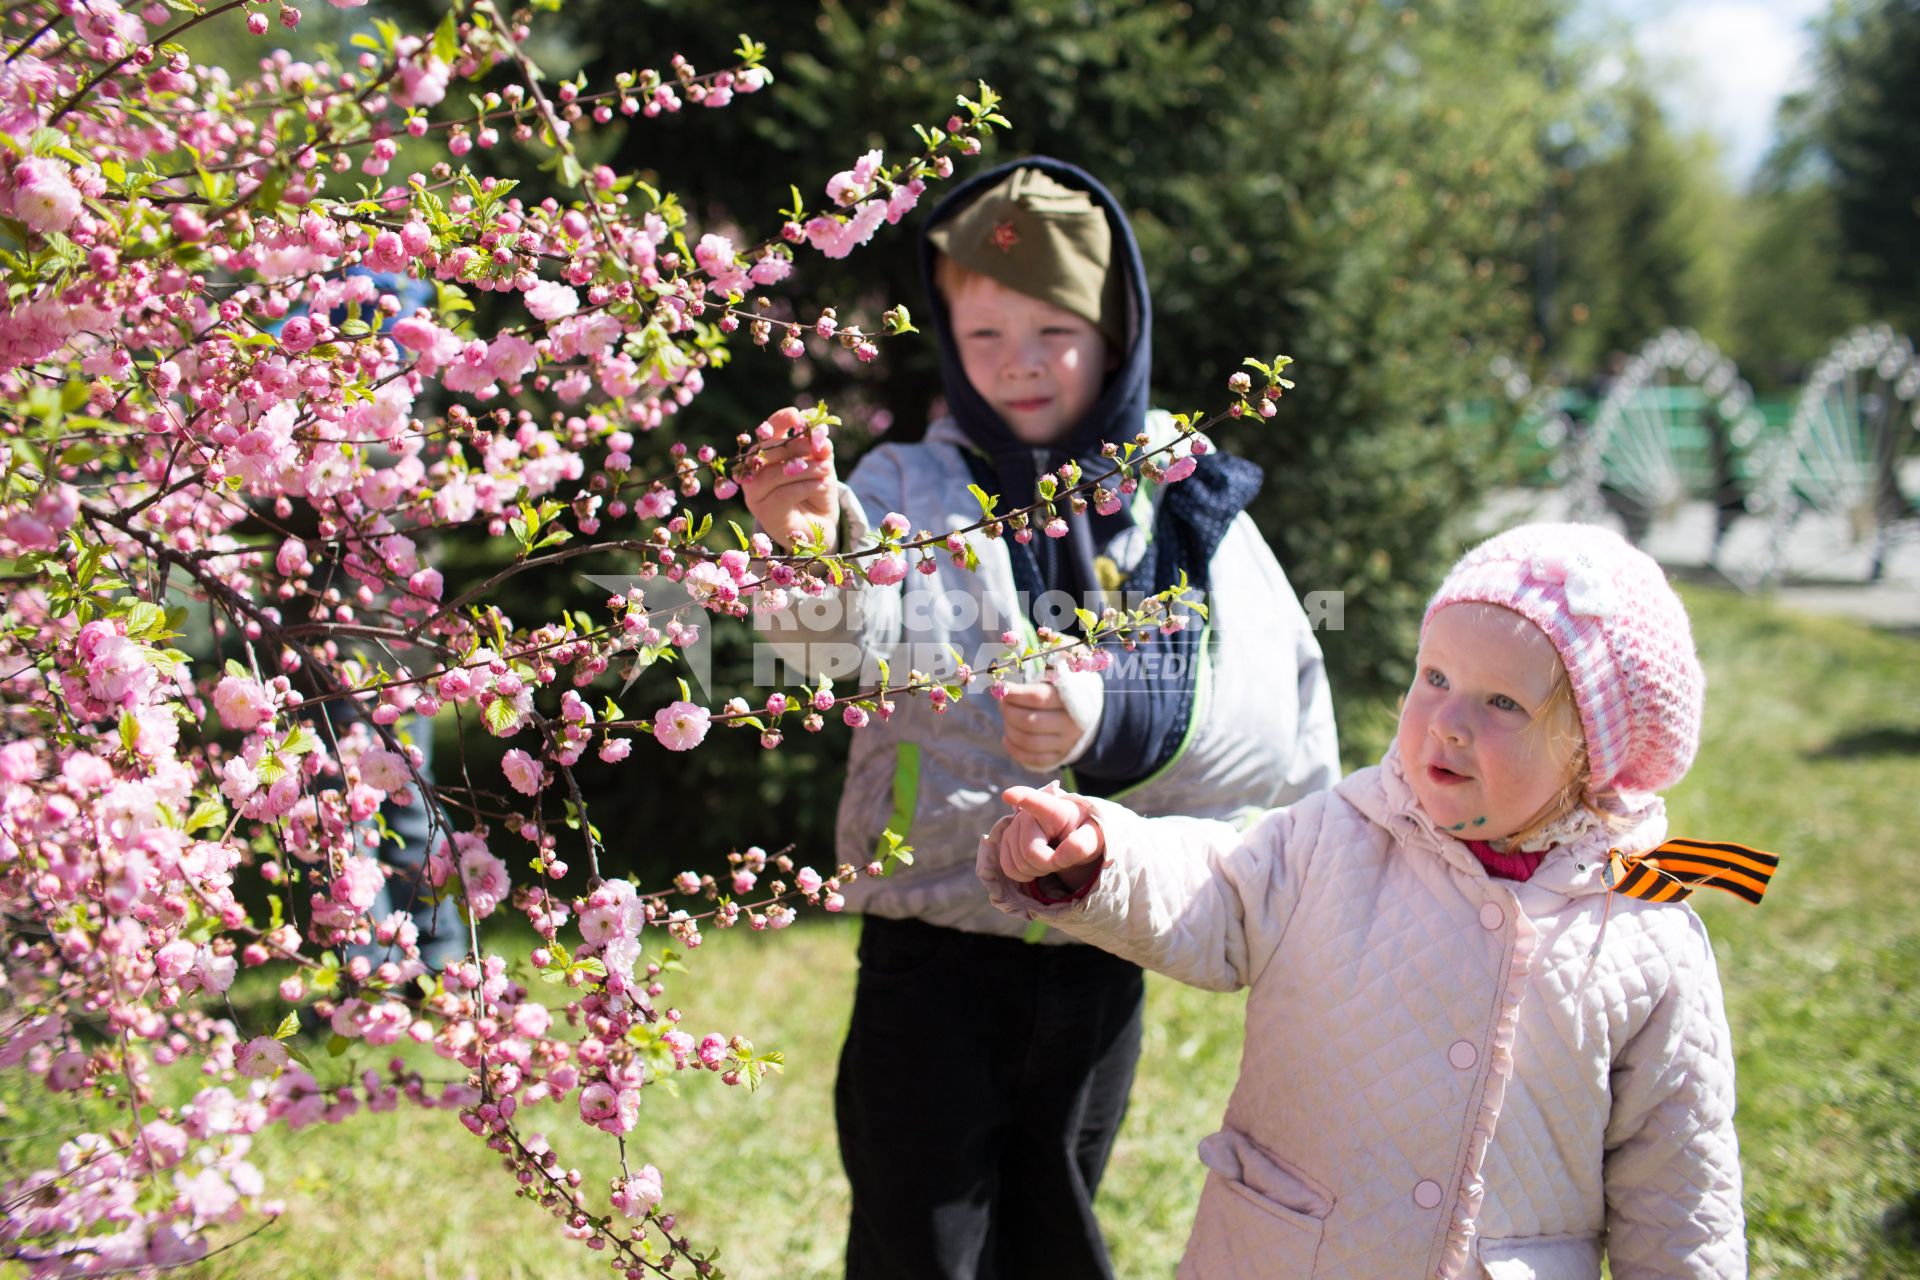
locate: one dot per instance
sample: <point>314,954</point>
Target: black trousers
<point>980,1089</point>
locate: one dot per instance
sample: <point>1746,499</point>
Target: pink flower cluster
<point>249,402</point>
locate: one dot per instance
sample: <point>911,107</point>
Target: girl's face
<point>1481,758</point>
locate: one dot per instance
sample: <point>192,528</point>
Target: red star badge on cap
<point>1004,237</point>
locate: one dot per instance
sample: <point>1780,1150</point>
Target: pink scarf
<point>1506,866</point>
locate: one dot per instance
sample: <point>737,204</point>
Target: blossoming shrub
<point>249,369</point>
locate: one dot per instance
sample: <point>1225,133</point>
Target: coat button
<point>1426,1194</point>
<point>1463,1054</point>
<point>1491,916</point>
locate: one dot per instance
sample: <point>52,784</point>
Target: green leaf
<point>145,621</point>
<point>289,1026</point>
<point>208,813</point>
<point>446,39</point>
<point>499,715</point>
<point>337,1044</point>
<point>987,501</point>
<point>300,741</point>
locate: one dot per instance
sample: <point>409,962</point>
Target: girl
<point>1485,1034</point>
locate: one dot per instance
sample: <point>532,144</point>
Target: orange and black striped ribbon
<point>1678,867</point>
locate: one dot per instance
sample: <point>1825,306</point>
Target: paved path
<point>1826,570</point>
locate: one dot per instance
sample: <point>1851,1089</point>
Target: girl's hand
<point>1039,731</point>
<point>1052,834</point>
<point>796,486</point>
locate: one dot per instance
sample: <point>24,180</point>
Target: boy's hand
<point>1052,834</point>
<point>1039,731</point>
<point>795,486</point>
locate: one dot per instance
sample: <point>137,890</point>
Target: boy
<point>984,1077</point>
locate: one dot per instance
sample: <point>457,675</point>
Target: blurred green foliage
<point>1863,118</point>
<point>1343,183</point>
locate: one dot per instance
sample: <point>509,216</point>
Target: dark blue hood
<point>1122,407</point>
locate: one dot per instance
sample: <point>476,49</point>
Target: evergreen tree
<point>1645,234</point>
<point>1865,118</point>
<point>1343,183</point>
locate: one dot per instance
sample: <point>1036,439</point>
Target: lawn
<point>1812,749</point>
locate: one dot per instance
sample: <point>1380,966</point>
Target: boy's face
<point>1479,754</point>
<point>1041,367</point>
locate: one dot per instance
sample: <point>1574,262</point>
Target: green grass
<point>1812,750</point>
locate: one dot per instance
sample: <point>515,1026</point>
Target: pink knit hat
<point>1620,630</point>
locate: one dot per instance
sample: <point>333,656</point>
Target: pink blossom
<point>636,1196</point>
<point>358,884</point>
<point>681,726</point>
<point>384,770</point>
<point>117,669</point>
<point>242,702</point>
<point>771,268</point>
<point>208,1194</point>
<point>485,879</point>
<point>44,196</point>
<point>426,584</point>
<point>614,750</point>
<point>19,762</point>
<point>524,773</point>
<point>550,300</point>
<point>904,198</point>
<point>415,333</point>
<point>511,357</point>
<point>214,971</point>
<point>173,961</point>
<point>856,231</point>
<point>298,334</point>
<point>714,253</point>
<point>387,253</point>
<point>238,780</point>
<point>886,570</point>
<point>850,185</point>
<point>598,1103</point>
<point>423,81</point>
<point>1179,469</point>
<point>713,1050</point>
<point>291,559</point>
<point>260,1057</point>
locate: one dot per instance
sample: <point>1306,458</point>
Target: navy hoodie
<point>1144,716</point>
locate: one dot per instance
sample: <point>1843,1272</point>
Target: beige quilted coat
<point>1441,1077</point>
